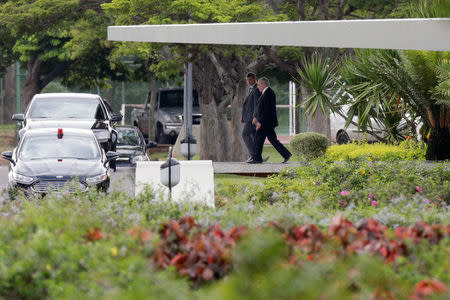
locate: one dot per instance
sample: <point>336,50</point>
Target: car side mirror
<point>110,155</point>
<point>116,117</point>
<point>151,144</point>
<point>8,156</point>
<point>18,117</point>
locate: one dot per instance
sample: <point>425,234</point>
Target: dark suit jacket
<point>250,103</point>
<point>266,112</point>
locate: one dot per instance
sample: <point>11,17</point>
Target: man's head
<point>263,82</point>
<point>251,79</point>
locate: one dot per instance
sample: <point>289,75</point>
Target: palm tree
<point>318,76</point>
<point>417,81</point>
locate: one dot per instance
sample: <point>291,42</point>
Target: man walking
<point>248,113</point>
<point>266,121</point>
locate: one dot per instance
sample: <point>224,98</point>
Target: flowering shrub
<point>360,183</point>
<point>406,150</point>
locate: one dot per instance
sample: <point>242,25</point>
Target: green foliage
<point>318,75</point>
<point>62,38</point>
<point>167,63</point>
<point>309,144</point>
<point>80,246</point>
<point>430,9</point>
<point>374,77</point>
<point>406,150</point>
<point>401,191</point>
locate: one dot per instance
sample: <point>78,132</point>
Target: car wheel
<point>342,137</point>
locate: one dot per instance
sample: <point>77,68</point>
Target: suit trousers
<point>261,135</point>
<point>248,135</point>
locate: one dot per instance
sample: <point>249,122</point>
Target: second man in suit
<point>266,121</point>
<point>248,113</point>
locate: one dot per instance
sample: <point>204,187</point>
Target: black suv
<point>72,110</point>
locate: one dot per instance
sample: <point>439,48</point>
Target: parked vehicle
<point>131,146</point>
<point>46,159</point>
<point>168,114</point>
<point>72,110</point>
<point>341,135</point>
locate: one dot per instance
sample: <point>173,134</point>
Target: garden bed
<point>346,230</point>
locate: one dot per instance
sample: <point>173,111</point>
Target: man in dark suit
<point>266,121</point>
<point>248,113</point>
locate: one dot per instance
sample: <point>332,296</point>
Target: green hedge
<point>309,144</point>
<point>407,150</point>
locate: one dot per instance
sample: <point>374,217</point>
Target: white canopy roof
<point>407,34</point>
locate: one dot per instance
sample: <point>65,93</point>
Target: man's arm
<point>261,110</point>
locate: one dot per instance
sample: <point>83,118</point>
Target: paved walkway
<point>243,168</point>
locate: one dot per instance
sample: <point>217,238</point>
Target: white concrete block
<point>196,181</point>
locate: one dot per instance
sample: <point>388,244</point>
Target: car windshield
<point>67,108</point>
<point>175,98</point>
<point>42,147</point>
<point>128,137</point>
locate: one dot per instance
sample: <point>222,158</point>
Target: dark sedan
<point>131,145</point>
<point>47,159</point>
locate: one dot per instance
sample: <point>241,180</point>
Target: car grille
<point>46,186</point>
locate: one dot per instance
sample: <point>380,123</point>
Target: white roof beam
<point>406,34</point>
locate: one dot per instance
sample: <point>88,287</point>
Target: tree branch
<point>55,73</point>
<point>272,55</point>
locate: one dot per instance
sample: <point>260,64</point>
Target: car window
<point>108,108</point>
<point>42,147</point>
<point>66,108</point>
<point>128,137</point>
<point>175,98</point>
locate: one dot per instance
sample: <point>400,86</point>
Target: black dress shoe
<point>254,161</point>
<point>287,158</point>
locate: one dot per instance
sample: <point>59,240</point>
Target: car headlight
<point>96,179</point>
<point>102,134</point>
<point>19,178</point>
<point>138,158</point>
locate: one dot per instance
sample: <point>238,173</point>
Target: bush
<point>309,144</point>
<point>407,150</point>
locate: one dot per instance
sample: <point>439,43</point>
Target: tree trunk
<point>238,149</point>
<point>438,145</point>
<point>231,70</point>
<point>35,81</point>
<point>9,97</point>
<point>215,141</point>
<point>32,84</point>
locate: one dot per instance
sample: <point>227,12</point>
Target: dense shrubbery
<point>309,144</point>
<point>114,246</point>
<point>406,150</point>
<point>73,248</point>
<point>394,193</point>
